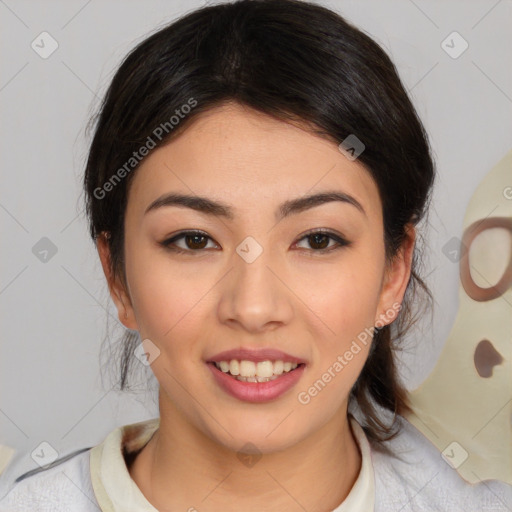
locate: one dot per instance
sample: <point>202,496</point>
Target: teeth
<point>234,367</point>
<point>265,369</point>
<point>247,368</point>
<point>278,367</point>
<point>249,371</point>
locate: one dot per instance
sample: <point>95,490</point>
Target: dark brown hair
<point>294,61</point>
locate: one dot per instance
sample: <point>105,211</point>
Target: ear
<point>117,290</point>
<point>395,280</point>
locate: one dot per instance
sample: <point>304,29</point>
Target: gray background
<point>54,313</point>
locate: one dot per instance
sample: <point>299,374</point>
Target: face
<point>247,285</point>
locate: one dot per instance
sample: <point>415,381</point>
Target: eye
<point>194,241</point>
<point>319,240</point>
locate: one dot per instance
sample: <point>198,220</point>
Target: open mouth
<point>250,371</point>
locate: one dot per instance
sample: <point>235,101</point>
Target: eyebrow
<point>218,209</point>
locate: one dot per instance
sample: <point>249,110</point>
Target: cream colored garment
<point>464,406</point>
<point>6,454</point>
<point>116,491</point>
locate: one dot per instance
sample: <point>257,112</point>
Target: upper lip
<point>255,355</point>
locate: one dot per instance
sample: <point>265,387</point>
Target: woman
<point>253,188</point>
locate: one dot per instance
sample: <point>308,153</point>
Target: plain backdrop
<point>54,313</point>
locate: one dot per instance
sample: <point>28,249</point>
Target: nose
<point>255,297</point>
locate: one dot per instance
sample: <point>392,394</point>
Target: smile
<point>249,371</point>
<point>256,375</point>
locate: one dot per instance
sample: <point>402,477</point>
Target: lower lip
<point>257,391</point>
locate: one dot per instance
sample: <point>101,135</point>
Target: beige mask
<point>464,407</point>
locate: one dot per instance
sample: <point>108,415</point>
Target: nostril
<point>486,358</point>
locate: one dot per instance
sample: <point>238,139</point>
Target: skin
<point>308,304</point>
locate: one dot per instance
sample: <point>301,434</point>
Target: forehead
<point>242,156</point>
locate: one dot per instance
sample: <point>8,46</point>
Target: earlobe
<point>396,278</point>
<point>116,289</point>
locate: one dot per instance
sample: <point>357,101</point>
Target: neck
<point>183,469</point>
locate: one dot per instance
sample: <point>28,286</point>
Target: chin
<point>262,436</point>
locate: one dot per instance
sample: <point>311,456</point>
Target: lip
<point>256,391</point>
<point>256,355</point>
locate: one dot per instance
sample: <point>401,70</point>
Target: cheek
<point>343,296</point>
<point>167,299</point>
<point>344,299</point>
<point>347,309</point>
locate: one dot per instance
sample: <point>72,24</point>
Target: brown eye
<point>194,241</point>
<point>319,241</point>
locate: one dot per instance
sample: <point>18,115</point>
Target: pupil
<point>318,236</point>
<point>194,241</point>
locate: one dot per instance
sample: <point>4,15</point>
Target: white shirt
<point>98,479</point>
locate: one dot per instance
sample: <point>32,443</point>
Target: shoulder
<point>63,485</point>
<point>418,479</point>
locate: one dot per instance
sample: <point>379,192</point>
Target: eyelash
<point>341,242</point>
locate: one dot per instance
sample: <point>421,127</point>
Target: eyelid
<point>167,243</point>
<point>340,240</point>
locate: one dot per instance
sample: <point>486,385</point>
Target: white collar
<point>116,491</point>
